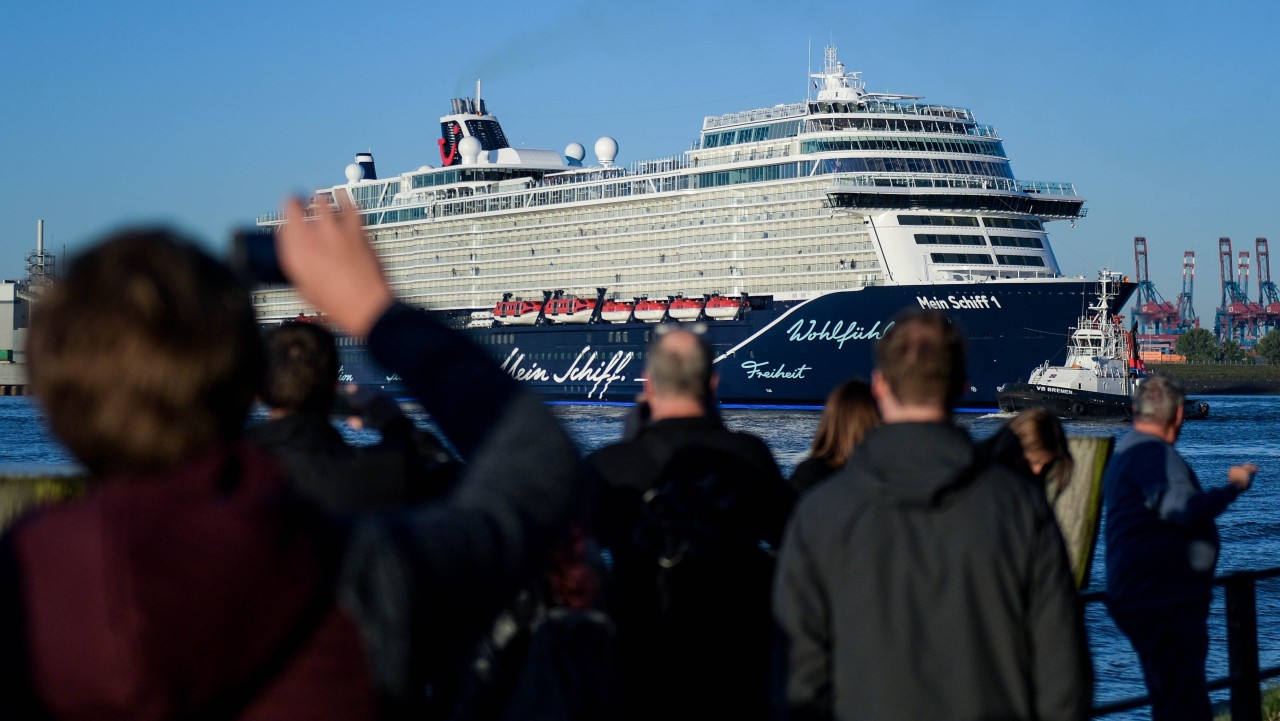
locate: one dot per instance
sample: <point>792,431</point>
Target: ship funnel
<point>365,161</point>
<point>469,106</point>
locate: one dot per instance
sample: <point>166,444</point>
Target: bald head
<point>678,366</point>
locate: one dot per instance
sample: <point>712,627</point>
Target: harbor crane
<point>1152,313</point>
<point>1268,297</point>
<point>1235,319</point>
<point>1187,317</point>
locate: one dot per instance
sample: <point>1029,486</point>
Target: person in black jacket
<point>916,584</point>
<point>299,389</point>
<point>689,512</point>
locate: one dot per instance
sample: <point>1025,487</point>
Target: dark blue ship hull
<point>792,353</point>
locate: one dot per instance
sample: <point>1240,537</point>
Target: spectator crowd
<point>217,570</point>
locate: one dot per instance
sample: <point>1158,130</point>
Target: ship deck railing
<point>638,171</point>
<point>777,112</point>
<point>970,182</point>
<point>791,110</point>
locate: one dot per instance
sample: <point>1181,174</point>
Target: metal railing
<point>951,181</point>
<point>1244,676</point>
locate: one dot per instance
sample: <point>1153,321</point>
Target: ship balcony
<point>898,191</point>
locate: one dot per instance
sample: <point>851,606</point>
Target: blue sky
<point>204,115</point>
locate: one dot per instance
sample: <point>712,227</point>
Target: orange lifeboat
<point>616,311</point>
<point>720,307</point>
<point>570,309</point>
<point>685,308</point>
<point>517,312</point>
<point>650,311</point>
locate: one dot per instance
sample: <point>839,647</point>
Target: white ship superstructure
<point>1098,353</point>
<point>844,191</point>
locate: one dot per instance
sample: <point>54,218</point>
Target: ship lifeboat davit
<point>650,311</point>
<point>616,311</point>
<point>516,312</point>
<point>570,309</point>
<point>685,308</point>
<point>721,308</point>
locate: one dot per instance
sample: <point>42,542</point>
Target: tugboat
<point>1098,378</point>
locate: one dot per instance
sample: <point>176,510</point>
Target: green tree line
<point>1201,346</point>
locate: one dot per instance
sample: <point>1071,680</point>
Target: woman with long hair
<point>848,414</point>
<point>1044,446</point>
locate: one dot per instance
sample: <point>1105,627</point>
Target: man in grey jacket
<point>920,582</point>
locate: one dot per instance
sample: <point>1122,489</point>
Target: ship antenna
<point>808,86</point>
<point>479,107</point>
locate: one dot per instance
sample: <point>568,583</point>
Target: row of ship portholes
<point>620,336</point>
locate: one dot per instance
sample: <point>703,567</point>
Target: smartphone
<point>253,256</point>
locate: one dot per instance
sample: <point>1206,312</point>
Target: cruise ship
<point>789,236</point>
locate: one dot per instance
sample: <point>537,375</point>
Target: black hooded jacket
<point>918,584</point>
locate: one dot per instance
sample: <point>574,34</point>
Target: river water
<point>1239,429</point>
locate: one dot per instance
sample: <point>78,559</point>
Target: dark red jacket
<point>208,588</point>
<point>209,592</point>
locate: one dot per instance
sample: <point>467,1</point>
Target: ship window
<point>941,239</point>
<point>963,258</point>
<point>970,147</point>
<point>1021,260</point>
<point>1018,223</point>
<point>1013,241</point>
<point>946,166</point>
<point>937,220</point>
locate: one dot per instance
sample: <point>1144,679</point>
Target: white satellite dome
<point>575,152</point>
<point>355,173</point>
<point>469,148</point>
<point>606,150</point>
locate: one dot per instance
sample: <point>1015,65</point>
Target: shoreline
<point>1222,379</point>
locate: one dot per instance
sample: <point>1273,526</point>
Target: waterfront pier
<point>13,379</point>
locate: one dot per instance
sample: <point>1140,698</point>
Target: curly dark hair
<point>145,353</point>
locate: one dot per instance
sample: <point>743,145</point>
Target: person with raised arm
<point>1162,548</point>
<point>191,581</point>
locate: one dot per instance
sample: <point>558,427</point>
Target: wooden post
<point>1079,507</point>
